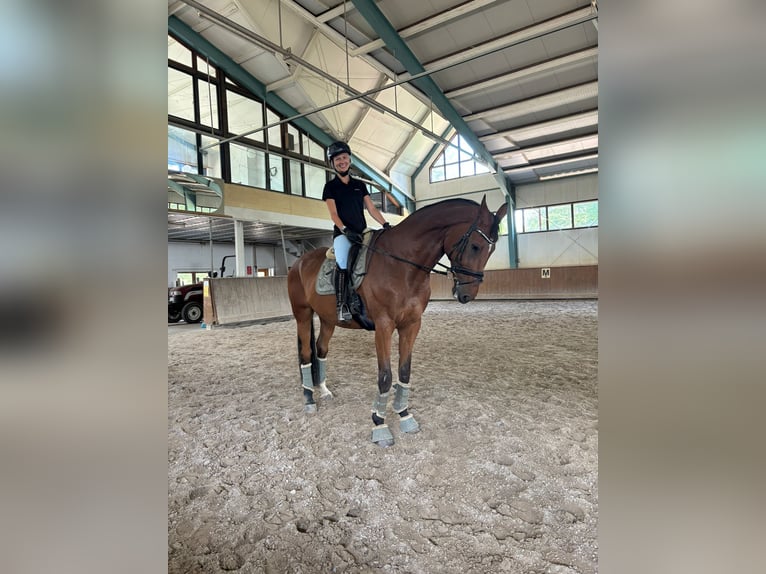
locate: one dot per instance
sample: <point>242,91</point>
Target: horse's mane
<point>429,216</point>
<point>447,202</point>
<point>428,211</point>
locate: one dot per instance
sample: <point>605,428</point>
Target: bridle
<point>460,246</point>
<point>455,268</point>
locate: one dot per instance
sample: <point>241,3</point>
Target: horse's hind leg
<point>407,335</point>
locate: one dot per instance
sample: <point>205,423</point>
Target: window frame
<point>544,218</point>
<point>462,164</point>
<point>307,150</point>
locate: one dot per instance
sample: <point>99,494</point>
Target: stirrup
<point>344,315</point>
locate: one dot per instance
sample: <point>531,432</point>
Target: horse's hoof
<point>324,392</point>
<point>381,436</point>
<point>310,409</point>
<point>409,425</point>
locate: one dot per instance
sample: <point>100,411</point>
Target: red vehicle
<point>185,303</point>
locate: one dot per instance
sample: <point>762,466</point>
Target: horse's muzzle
<point>461,295</point>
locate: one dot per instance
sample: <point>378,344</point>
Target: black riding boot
<point>341,291</point>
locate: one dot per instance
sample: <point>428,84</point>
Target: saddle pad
<point>324,283</point>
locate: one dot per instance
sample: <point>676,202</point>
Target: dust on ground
<point>502,476</point>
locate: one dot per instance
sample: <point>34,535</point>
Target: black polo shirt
<point>349,201</point>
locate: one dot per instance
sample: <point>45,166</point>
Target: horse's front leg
<point>313,360</point>
<point>407,335</point>
<point>381,435</point>
<point>306,355</point>
<point>326,331</point>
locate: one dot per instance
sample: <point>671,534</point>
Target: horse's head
<point>470,249</point>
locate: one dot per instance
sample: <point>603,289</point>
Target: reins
<point>403,260</point>
<point>460,244</point>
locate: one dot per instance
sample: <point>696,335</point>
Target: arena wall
<point>239,300</point>
<point>575,282</point>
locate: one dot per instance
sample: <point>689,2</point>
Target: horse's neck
<point>423,241</point>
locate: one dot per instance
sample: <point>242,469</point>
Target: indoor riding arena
<point>464,135</point>
<point>502,476</point>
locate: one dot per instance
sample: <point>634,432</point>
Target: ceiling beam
<point>339,39</point>
<point>557,163</point>
<point>429,23</point>
<point>286,54</point>
<point>539,103</point>
<point>293,77</point>
<point>588,142</point>
<point>536,30</point>
<point>175,7</point>
<point>543,67</point>
<point>370,11</point>
<point>539,129</point>
<point>332,12</point>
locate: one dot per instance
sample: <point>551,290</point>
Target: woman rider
<point>346,197</point>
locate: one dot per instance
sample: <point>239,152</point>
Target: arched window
<point>456,161</point>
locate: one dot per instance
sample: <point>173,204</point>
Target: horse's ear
<point>484,203</point>
<point>501,212</point>
<point>497,219</point>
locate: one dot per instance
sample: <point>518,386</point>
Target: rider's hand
<point>353,236</point>
<point>386,225</point>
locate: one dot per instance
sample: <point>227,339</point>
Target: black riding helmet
<point>337,148</point>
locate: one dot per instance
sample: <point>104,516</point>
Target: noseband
<point>460,246</point>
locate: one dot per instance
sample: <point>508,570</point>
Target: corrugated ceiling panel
<point>382,136</point>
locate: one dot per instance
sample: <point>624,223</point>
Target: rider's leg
<point>341,244</point>
<point>352,297</point>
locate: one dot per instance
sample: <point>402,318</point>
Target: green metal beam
<point>401,51</point>
<point>177,187</point>
<point>233,70</point>
<point>398,47</point>
<point>189,201</point>
<point>209,182</point>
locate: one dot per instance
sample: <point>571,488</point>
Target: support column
<point>513,244</point>
<point>239,248</point>
<point>284,250</point>
<point>210,231</point>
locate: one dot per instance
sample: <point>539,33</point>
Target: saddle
<point>358,262</point>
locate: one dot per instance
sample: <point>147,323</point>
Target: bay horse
<point>395,292</point>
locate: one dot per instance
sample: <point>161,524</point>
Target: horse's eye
<point>475,248</point>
